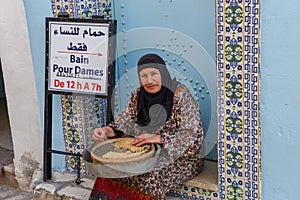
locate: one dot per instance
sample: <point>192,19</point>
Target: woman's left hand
<point>147,138</point>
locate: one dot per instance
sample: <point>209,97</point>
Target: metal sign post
<point>80,56</point>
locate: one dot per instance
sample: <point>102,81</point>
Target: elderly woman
<point>160,111</point>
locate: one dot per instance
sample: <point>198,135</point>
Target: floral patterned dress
<point>182,142</point>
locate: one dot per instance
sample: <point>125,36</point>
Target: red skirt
<point>116,189</point>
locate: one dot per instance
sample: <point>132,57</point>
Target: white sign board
<point>78,57</point>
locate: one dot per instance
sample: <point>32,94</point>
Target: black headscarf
<point>155,109</point>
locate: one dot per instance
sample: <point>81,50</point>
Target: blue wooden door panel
<point>183,33</point>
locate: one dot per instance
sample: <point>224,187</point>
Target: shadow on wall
<point>6,146</point>
<point>2,91</point>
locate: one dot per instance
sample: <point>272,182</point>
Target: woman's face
<point>151,80</point>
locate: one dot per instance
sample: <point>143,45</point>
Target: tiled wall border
<point>238,117</point>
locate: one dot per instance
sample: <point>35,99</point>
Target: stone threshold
<point>63,187</point>
<point>207,178</point>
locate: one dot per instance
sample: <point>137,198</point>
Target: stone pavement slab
<point>9,193</point>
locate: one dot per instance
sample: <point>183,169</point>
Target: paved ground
<point>8,193</point>
<point>63,188</point>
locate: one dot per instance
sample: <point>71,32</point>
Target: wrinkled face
<point>151,80</point>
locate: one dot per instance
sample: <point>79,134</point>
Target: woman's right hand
<point>100,134</point>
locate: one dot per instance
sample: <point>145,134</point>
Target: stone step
<point>63,186</point>
<point>9,168</point>
<point>8,177</point>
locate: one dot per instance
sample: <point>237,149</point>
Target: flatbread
<point>125,149</point>
<point>127,146</point>
<point>114,154</point>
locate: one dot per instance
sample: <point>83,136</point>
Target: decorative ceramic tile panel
<point>82,8</point>
<point>238,98</point>
<point>195,193</point>
<point>80,114</point>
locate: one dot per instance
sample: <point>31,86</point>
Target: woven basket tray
<point>101,148</point>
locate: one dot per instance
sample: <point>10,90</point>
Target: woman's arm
<point>101,134</point>
<point>187,136</point>
<point>124,122</point>
<point>147,138</point>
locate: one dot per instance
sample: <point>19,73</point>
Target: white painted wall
<point>280,99</point>
<point>20,87</point>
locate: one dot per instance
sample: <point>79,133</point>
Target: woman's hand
<point>147,138</point>
<point>101,134</point>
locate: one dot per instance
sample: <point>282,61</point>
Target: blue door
<point>183,33</point>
